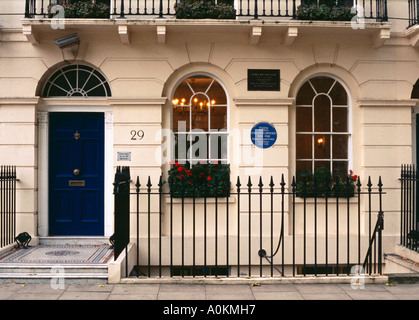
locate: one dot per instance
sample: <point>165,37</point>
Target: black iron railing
<point>120,238</point>
<point>409,232</point>
<point>258,230</point>
<point>372,9</point>
<point>413,12</point>
<point>7,205</point>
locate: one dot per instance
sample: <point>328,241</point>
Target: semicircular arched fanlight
<point>77,81</point>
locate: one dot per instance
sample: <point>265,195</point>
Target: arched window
<point>77,80</point>
<point>200,121</point>
<point>322,130</point>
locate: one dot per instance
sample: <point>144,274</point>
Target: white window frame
<point>190,133</point>
<point>313,133</point>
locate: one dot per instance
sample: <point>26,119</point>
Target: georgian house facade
<point>144,88</point>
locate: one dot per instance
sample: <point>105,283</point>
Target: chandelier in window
<point>196,109</point>
<point>197,105</point>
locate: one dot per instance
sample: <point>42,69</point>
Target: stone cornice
<point>263,101</point>
<point>19,101</point>
<point>137,101</point>
<point>387,103</point>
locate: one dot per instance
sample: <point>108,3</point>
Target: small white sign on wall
<point>124,156</point>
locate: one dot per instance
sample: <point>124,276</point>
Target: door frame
<point>90,105</point>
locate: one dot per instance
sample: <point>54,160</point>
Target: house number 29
<point>137,134</point>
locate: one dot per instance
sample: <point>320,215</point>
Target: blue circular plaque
<point>263,135</point>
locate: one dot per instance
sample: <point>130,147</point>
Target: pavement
<point>207,301</point>
<point>204,292</point>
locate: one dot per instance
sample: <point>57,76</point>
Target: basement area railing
<point>409,231</point>
<point>256,229</point>
<point>7,205</point>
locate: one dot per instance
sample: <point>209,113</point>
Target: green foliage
<point>324,12</point>
<point>83,9</point>
<point>322,184</point>
<point>204,10</point>
<point>210,180</point>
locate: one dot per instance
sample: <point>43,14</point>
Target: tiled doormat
<point>45,254</point>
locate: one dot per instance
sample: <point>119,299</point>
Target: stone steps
<point>68,272</point>
<point>402,265</point>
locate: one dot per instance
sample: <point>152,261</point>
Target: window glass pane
<point>199,112</point>
<point>199,147</point>
<point>182,94</point>
<point>99,91</point>
<point>180,118</point>
<point>338,95</point>
<point>322,114</point>
<point>82,78</point>
<point>199,84</point>
<point>71,77</point>
<point>340,119</point>
<point>217,94</point>
<point>218,146</point>
<point>218,118</point>
<point>322,146</point>
<point>61,82</point>
<point>340,169</point>
<point>304,122</point>
<point>304,145</point>
<point>321,164</point>
<point>181,147</point>
<point>56,90</point>
<point>340,147</point>
<point>305,95</point>
<point>415,91</point>
<point>303,166</point>
<point>93,82</point>
<point>322,84</point>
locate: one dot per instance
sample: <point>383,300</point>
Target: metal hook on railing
<point>262,253</point>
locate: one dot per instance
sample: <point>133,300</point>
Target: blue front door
<point>76,174</point>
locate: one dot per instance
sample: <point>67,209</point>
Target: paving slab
<point>277,295</point>
<point>132,297</point>
<point>129,289</point>
<point>83,295</point>
<point>274,288</point>
<point>365,295</point>
<point>181,287</point>
<point>182,295</point>
<point>325,296</point>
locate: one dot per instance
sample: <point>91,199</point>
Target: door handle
<point>76,172</point>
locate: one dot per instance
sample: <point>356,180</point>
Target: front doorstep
<point>52,259</point>
<point>74,240</point>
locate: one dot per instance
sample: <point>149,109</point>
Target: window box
<point>322,184</point>
<point>93,9</point>
<point>324,12</point>
<point>204,10</point>
<point>202,180</point>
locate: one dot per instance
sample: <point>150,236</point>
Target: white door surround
<point>62,105</point>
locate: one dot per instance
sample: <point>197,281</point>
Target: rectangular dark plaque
<point>263,80</point>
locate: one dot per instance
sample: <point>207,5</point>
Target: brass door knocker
<point>77,135</point>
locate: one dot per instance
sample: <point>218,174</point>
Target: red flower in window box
<point>201,180</point>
